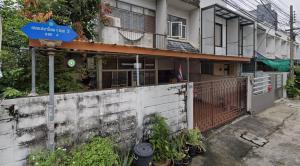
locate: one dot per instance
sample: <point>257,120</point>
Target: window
<point>219,35</point>
<point>176,27</point>
<point>134,18</point>
<point>207,68</point>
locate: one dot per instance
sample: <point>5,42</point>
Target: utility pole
<point>292,39</point>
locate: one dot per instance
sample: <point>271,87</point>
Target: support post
<point>137,71</point>
<point>188,69</point>
<point>156,70</point>
<point>51,106</point>
<point>190,104</point>
<point>99,72</point>
<point>33,73</point>
<point>292,41</point>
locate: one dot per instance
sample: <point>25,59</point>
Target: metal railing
<point>220,101</point>
<point>261,84</point>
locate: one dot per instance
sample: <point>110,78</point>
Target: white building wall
<point>233,37</point>
<point>248,45</point>
<point>278,47</point>
<point>194,28</point>
<point>270,47</point>
<point>161,17</point>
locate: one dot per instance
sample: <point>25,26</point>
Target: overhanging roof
<point>89,47</point>
<point>226,13</point>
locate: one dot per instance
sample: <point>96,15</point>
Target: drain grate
<point>254,139</point>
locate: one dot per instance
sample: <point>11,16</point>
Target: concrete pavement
<point>279,126</point>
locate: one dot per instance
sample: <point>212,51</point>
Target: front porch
<point>115,66</point>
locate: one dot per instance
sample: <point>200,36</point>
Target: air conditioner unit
<point>114,21</point>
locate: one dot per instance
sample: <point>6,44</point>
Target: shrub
<point>44,158</point>
<point>159,138</point>
<point>291,89</point>
<point>98,152</point>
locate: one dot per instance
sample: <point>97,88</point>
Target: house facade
<point>171,25</point>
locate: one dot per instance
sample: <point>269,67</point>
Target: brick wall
<point>123,113</point>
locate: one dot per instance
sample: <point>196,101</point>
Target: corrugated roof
<point>181,46</point>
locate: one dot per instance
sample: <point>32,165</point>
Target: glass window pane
<point>122,79</point>
<point>218,35</point>
<point>176,29</point>
<point>109,63</point>
<point>183,31</point>
<point>149,77</point>
<point>106,80</point>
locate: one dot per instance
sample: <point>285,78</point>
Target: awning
<point>282,65</point>
<point>91,47</point>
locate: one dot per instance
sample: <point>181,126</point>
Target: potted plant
<point>195,142</point>
<point>159,138</point>
<point>178,159</point>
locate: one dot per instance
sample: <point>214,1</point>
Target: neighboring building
<point>265,13</point>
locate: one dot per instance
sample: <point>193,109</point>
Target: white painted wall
<point>233,37</point>
<point>161,17</point>
<point>194,28</point>
<point>248,45</point>
<point>278,47</point>
<point>208,31</point>
<point>270,47</point>
<point>80,116</point>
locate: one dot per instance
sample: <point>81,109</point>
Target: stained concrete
<point>279,125</point>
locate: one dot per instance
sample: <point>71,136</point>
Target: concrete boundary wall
<point>123,113</point>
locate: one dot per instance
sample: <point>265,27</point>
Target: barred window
<point>135,18</point>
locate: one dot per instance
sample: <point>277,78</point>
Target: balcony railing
<point>159,41</point>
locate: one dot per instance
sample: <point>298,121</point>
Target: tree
<point>80,14</point>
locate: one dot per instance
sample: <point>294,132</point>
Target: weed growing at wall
<point>97,152</point>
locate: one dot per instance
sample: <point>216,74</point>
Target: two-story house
<point>210,39</point>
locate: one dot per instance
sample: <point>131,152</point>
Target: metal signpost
<point>51,35</point>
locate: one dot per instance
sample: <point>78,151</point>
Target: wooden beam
<point>121,49</point>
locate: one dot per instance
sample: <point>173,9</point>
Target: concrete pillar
<point>190,105</point>
<point>33,73</point>
<point>194,33</point>
<point>99,72</point>
<point>284,81</point>
<point>161,17</point>
<point>156,70</point>
<point>249,94</point>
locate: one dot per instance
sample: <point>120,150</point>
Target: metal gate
<point>218,102</point>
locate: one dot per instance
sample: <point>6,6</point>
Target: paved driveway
<point>279,126</point>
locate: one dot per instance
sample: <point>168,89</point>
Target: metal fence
<point>219,101</point>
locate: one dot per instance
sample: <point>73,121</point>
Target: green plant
<point>99,152</point>
<point>12,93</point>
<point>44,158</point>
<point>195,138</point>
<point>126,159</point>
<point>291,89</point>
<point>159,138</point>
<point>179,156</point>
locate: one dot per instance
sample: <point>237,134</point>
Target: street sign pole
<point>51,106</point>
<point>50,35</point>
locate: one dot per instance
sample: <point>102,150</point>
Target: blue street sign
<point>49,31</point>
